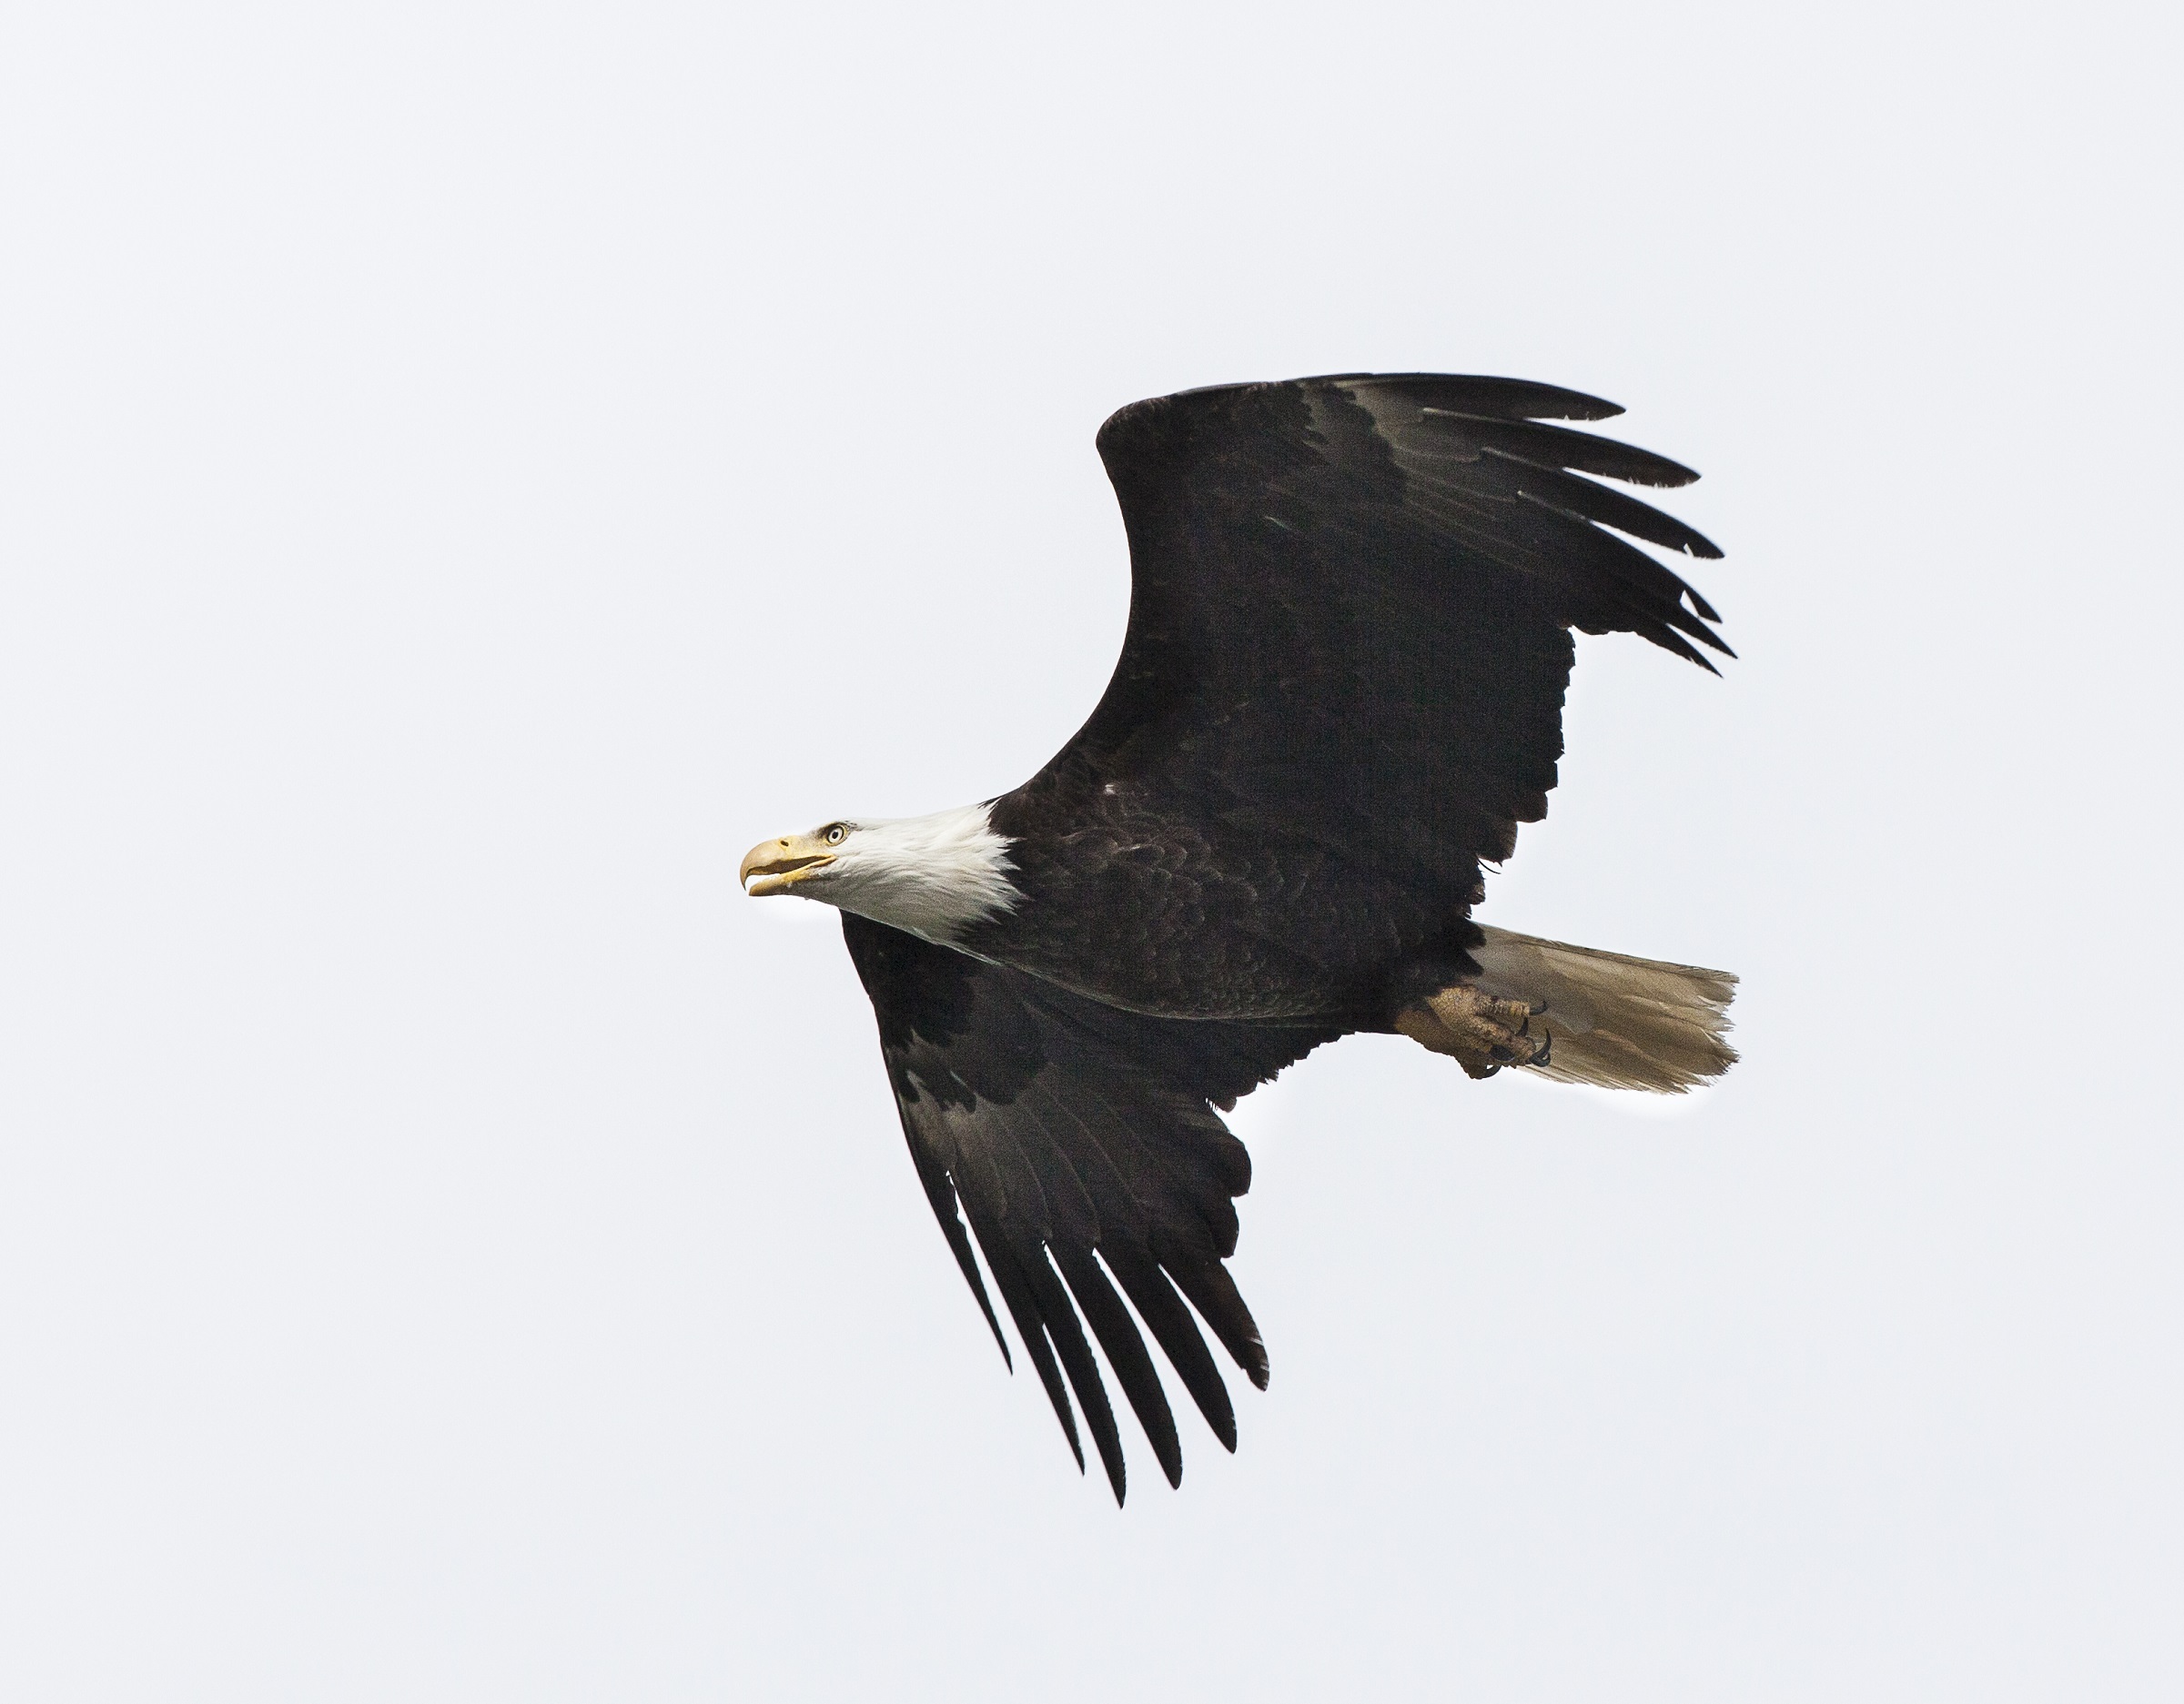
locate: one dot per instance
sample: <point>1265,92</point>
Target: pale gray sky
<point>468,471</point>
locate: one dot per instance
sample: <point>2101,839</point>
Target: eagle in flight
<point>1341,689</point>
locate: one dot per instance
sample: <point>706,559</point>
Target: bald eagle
<point>1341,691</point>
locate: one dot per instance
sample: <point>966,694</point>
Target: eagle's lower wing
<point>1350,607</point>
<point>1082,1145</point>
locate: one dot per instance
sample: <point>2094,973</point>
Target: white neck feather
<point>933,876</point>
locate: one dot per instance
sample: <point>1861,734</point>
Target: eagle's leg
<point>1480,1033</point>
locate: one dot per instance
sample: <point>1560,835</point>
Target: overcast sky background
<point>468,472</point>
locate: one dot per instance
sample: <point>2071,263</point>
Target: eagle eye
<point>834,834</point>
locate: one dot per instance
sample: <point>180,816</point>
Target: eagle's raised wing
<point>1082,1145</point>
<point>1350,608</point>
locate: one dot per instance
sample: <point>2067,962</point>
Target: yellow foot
<point>1480,1033</point>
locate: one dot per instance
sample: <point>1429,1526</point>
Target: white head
<point>931,875</point>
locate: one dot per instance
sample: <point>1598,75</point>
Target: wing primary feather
<point>1117,1335</point>
<point>1489,399</point>
<point>1616,559</point>
<point>1207,1286</point>
<point>1024,1309</point>
<point>1075,1355</point>
<point>1091,1166</point>
<point>1559,446</point>
<point>1683,622</point>
<point>1675,643</point>
<point>940,1193</point>
<point>1573,495</point>
<point>1171,1322</point>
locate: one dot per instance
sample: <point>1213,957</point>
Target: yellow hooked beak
<point>775,866</point>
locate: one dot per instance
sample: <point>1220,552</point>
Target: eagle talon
<point>1480,1031</point>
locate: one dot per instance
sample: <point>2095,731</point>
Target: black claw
<point>1546,1050</point>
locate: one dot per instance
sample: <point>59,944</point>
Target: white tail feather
<point>1618,1023</point>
